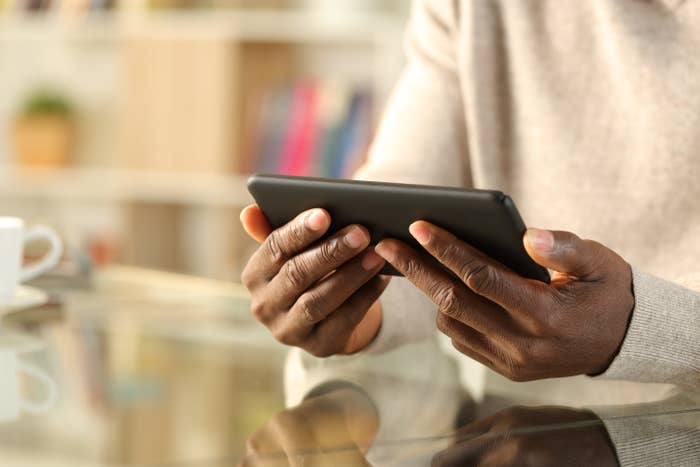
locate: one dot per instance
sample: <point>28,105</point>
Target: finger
<point>467,340</point>
<point>566,253</point>
<point>451,296</point>
<point>255,223</point>
<point>284,243</point>
<point>296,437</point>
<point>332,335</point>
<point>263,449</point>
<point>474,451</point>
<point>483,275</point>
<point>473,354</point>
<point>318,302</point>
<point>305,269</point>
<point>458,455</point>
<point>347,455</point>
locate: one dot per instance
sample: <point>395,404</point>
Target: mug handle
<point>38,407</point>
<point>40,232</point>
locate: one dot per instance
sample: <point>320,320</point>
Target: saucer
<point>25,297</point>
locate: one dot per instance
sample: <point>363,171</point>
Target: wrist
<point>365,332</point>
<point>626,310</point>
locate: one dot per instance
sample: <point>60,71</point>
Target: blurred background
<point>130,127</point>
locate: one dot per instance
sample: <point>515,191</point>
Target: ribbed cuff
<point>662,344</point>
<point>649,444</point>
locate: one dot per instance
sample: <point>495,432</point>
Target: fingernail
<point>355,238</point>
<point>419,232</point>
<point>385,251</point>
<point>371,261</point>
<point>317,220</point>
<point>542,240</point>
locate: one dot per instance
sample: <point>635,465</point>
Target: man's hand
<point>522,328</point>
<point>336,428</point>
<point>536,436</point>
<point>317,295</point>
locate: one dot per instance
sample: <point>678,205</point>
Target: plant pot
<point>44,140</point>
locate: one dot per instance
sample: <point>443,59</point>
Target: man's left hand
<point>523,328</point>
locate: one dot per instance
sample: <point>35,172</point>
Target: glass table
<point>156,369</point>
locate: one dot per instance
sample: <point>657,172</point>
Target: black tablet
<point>487,220</point>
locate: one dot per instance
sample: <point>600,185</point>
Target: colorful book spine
<point>311,129</point>
<point>273,124</point>
<point>300,136</point>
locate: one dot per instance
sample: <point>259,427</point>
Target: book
<point>311,128</point>
<point>300,136</point>
<point>275,107</point>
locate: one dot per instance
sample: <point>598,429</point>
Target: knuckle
<point>287,421</point>
<point>330,252</point>
<point>310,306</point>
<point>447,299</point>
<point>519,357</point>
<point>459,346</point>
<point>448,251</point>
<point>443,323</point>
<point>542,326</point>
<point>440,459</point>
<point>479,277</point>
<point>321,351</point>
<point>282,335</point>
<point>253,445</point>
<point>273,244</point>
<point>257,308</point>
<point>514,375</point>
<point>540,352</point>
<point>519,448</point>
<point>297,232</point>
<point>295,273</point>
<point>247,277</point>
<point>408,264</point>
<point>514,366</point>
<point>518,412</point>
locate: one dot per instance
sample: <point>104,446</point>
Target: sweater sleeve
<point>420,142</point>
<point>422,135</point>
<point>662,344</point>
<point>665,432</point>
<point>417,142</point>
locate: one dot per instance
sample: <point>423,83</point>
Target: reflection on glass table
<point>331,429</point>
<point>338,426</point>
<point>154,369</point>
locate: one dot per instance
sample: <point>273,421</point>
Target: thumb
<point>564,252</point>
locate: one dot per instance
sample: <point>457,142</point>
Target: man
<point>586,113</point>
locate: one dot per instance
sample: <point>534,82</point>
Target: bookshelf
<point>250,25</point>
<point>165,98</point>
<point>115,186</point>
<point>166,182</point>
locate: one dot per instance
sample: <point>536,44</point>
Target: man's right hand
<point>320,296</point>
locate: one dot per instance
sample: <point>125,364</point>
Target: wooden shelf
<point>243,25</point>
<point>106,185</point>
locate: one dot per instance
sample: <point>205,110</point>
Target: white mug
<point>12,402</point>
<point>13,237</point>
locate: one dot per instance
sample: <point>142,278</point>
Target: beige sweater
<point>587,112</point>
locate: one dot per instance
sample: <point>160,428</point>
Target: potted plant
<point>44,132</point>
